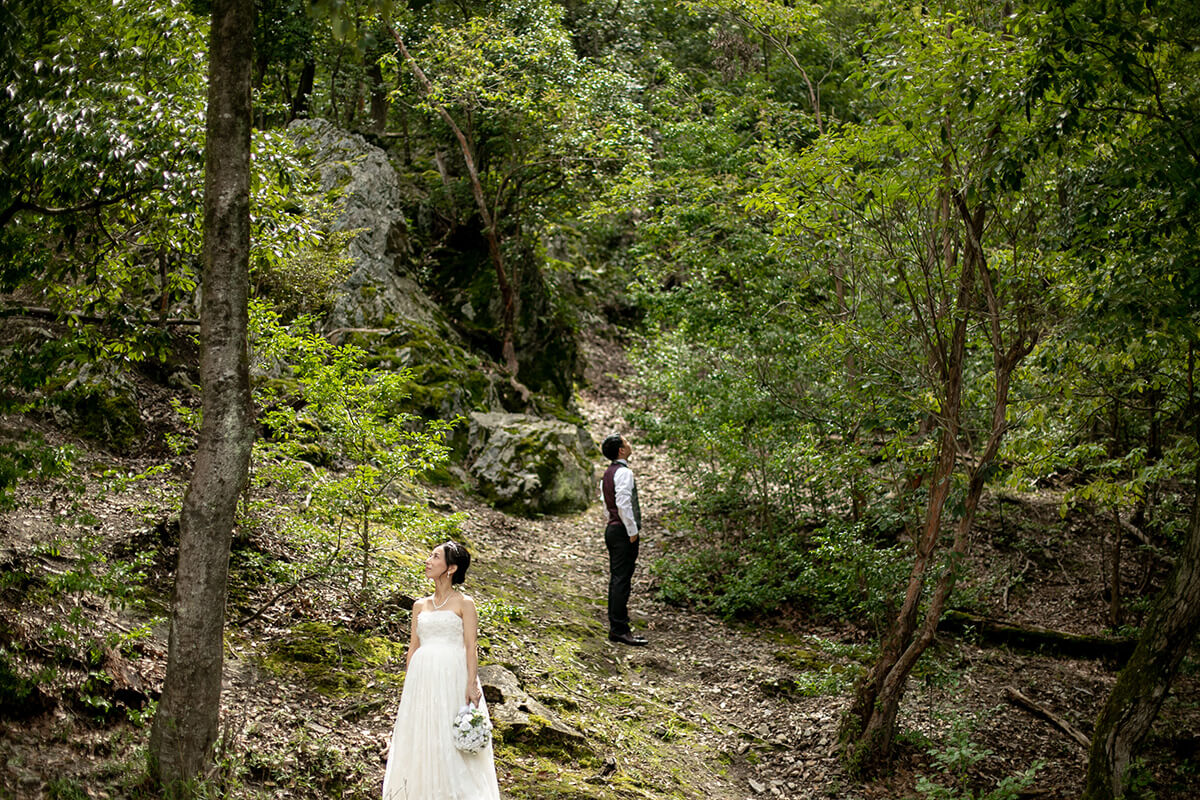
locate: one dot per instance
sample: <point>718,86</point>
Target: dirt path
<point>711,701</point>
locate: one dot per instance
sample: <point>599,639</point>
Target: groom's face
<point>625,450</point>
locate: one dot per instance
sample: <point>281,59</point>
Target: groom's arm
<point>623,491</point>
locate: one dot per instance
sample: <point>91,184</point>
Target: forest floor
<point>710,709</point>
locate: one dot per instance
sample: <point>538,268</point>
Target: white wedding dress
<point>423,763</point>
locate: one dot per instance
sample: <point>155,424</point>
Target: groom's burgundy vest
<point>608,488</point>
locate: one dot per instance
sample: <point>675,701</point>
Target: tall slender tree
<point>186,724</point>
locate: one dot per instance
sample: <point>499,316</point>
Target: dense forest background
<point>900,285</point>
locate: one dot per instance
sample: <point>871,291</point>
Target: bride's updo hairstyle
<point>457,556</point>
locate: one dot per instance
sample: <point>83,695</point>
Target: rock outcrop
<point>377,292</point>
<point>520,717</point>
<point>529,465</point>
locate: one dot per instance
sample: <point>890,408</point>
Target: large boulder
<point>530,465</point>
<point>377,292</point>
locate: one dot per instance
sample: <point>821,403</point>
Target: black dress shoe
<point>627,638</point>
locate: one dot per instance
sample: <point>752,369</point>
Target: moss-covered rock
<point>99,406</point>
<point>448,381</point>
<point>521,718</point>
<point>529,465</point>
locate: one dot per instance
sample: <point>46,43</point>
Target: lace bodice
<point>440,627</point>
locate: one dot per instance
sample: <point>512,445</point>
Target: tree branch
<point>18,206</point>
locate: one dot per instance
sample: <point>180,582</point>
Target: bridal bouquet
<point>471,729</point>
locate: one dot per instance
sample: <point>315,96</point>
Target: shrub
<point>834,571</point>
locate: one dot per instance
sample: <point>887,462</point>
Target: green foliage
<point>834,572</point>
<point>546,123</point>
<point>31,456</point>
<point>955,760</point>
<point>100,404</point>
<point>498,614</point>
<point>101,143</point>
<point>65,788</point>
<point>334,410</point>
<point>17,690</point>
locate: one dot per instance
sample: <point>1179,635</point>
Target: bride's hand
<point>473,695</point>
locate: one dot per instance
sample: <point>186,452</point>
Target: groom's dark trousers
<point>622,555</point>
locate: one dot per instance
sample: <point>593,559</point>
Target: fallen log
<point>1016,698</point>
<point>1041,640</point>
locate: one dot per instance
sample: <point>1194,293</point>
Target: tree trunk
<point>508,302</point>
<point>1143,684</point>
<point>869,728</point>
<point>305,88</point>
<point>379,97</point>
<point>185,725</point>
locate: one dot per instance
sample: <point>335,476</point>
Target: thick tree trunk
<point>304,90</point>
<point>379,97</point>
<point>185,726</point>
<point>1143,684</point>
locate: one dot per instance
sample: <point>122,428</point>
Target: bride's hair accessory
<point>456,555</point>
<point>471,729</point>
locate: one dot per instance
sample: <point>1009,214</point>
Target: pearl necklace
<point>437,607</point>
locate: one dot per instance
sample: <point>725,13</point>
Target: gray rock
<point>519,717</point>
<point>377,292</point>
<point>530,465</point>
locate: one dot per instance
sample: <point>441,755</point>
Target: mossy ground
<point>335,661</point>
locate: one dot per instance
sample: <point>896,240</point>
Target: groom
<point>619,491</point>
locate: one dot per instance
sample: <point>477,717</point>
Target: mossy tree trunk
<point>1167,633</point>
<point>186,723</point>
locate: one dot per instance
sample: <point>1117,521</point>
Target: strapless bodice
<point>440,627</point>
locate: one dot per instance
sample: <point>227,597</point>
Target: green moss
<point>533,776</point>
<point>335,661</point>
<point>442,476</point>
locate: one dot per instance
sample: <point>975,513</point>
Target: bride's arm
<point>470,639</point>
<point>414,641</point>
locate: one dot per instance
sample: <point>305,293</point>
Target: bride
<point>423,763</point>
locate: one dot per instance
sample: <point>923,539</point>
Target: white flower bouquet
<point>471,729</point>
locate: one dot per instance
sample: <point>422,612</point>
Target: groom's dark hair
<point>612,446</point>
<point>456,556</point>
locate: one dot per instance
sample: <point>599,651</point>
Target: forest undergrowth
<point>712,708</point>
